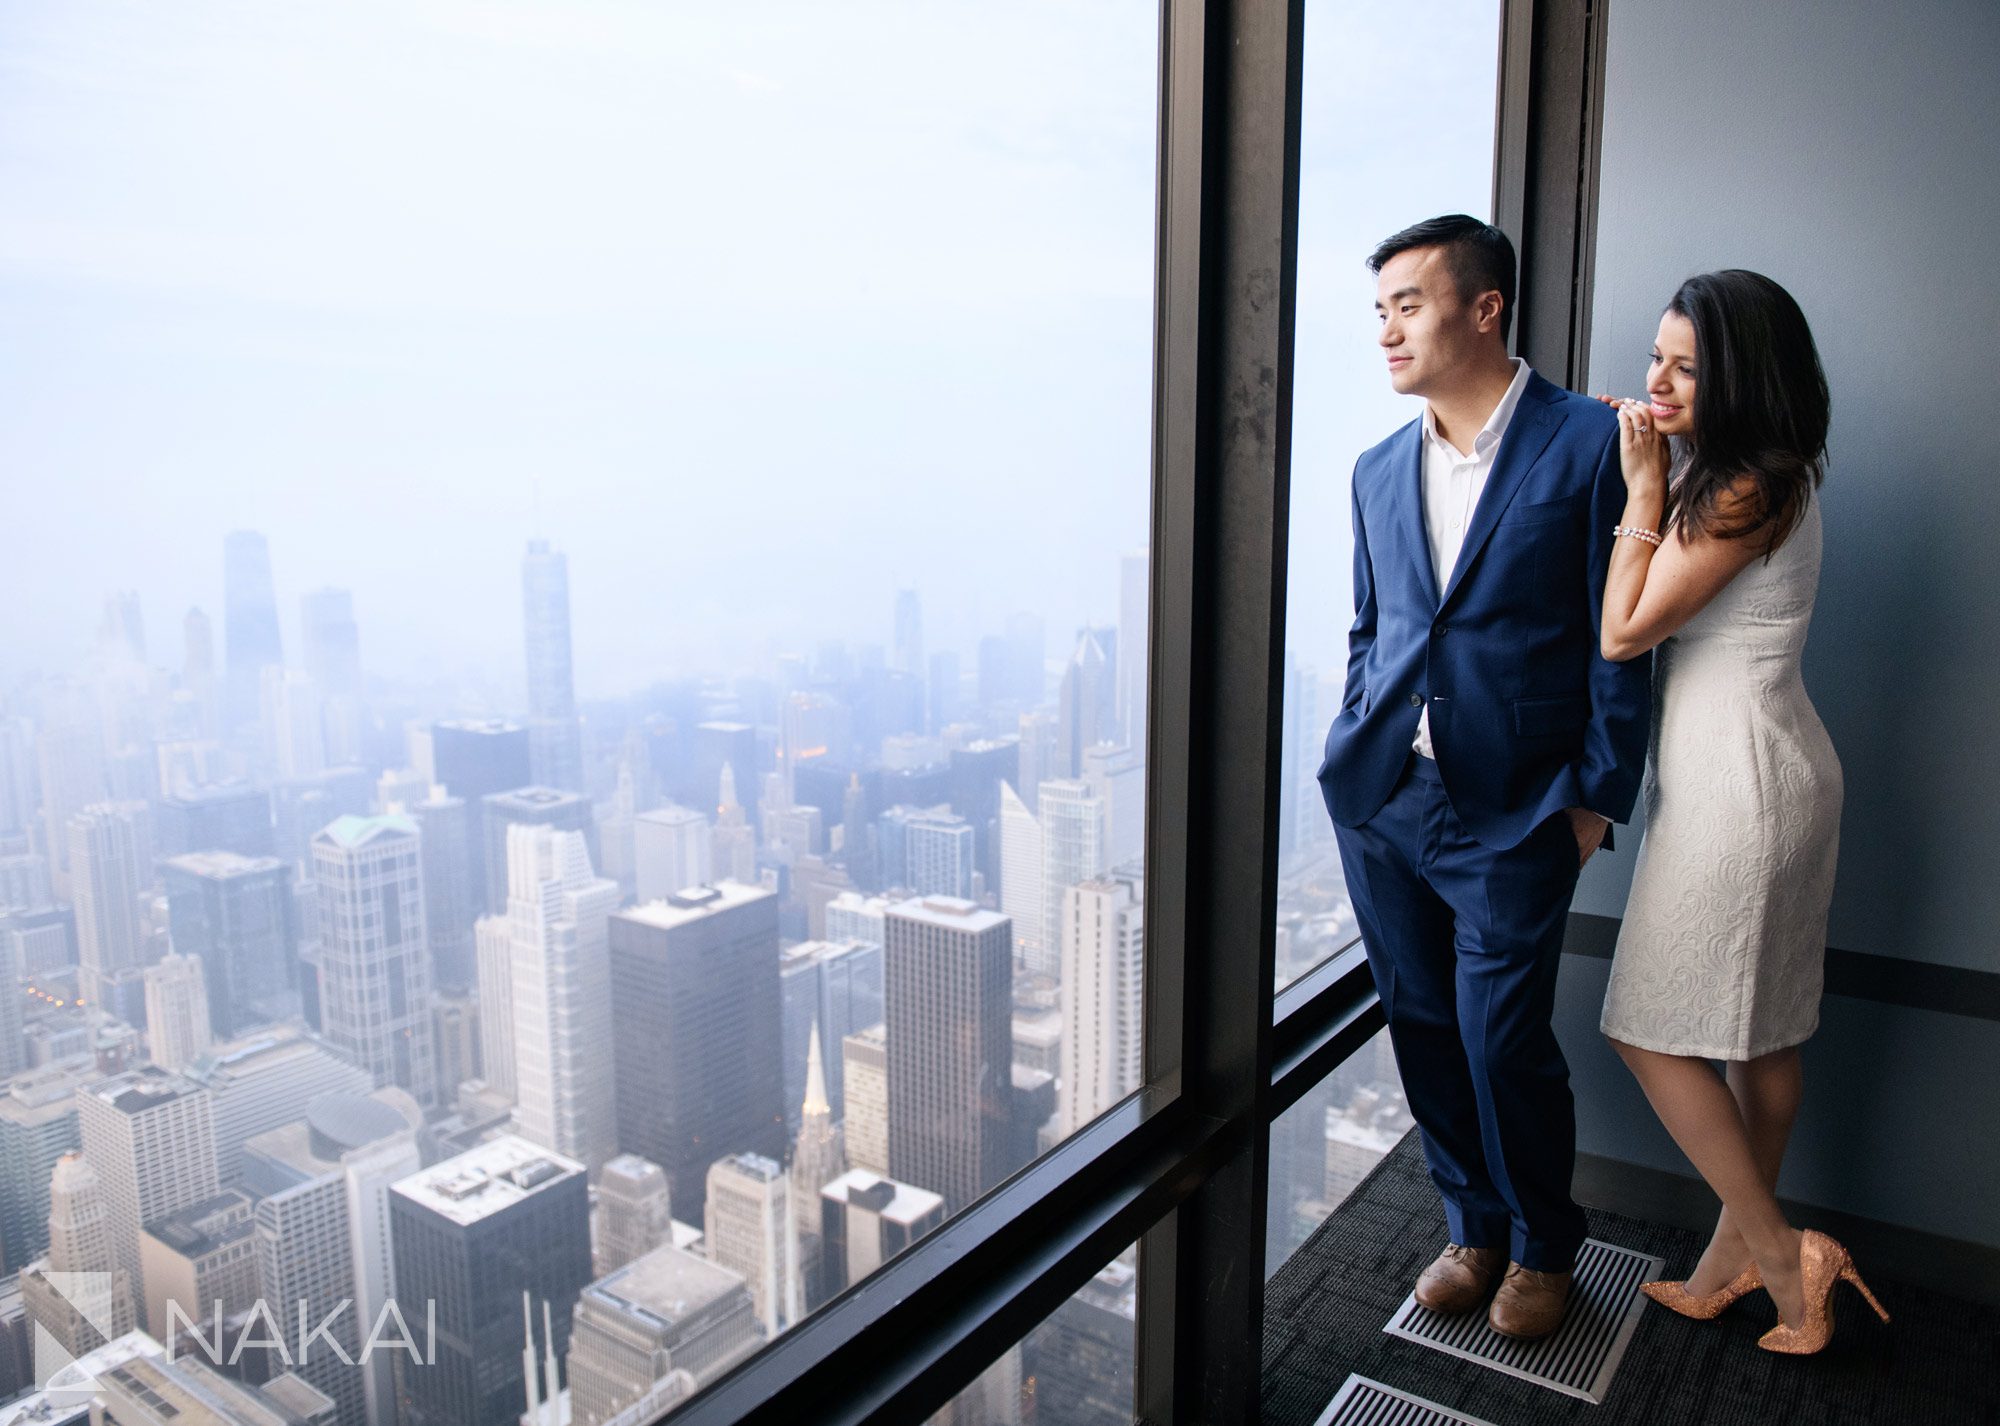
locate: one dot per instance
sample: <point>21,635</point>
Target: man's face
<point>1428,332</point>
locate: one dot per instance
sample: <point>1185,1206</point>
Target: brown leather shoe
<point>1529,1304</point>
<point>1460,1279</point>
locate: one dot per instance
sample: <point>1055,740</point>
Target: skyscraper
<point>1103,960</point>
<point>70,760</point>
<point>1117,778</point>
<point>1087,705</point>
<point>1039,755</point>
<point>634,1211</point>
<point>1134,597</point>
<point>850,916</point>
<point>733,840</point>
<point>1021,877</point>
<point>81,1294</point>
<point>818,1158</point>
<point>473,1234</point>
<point>321,1186</point>
<point>374,961</point>
<point>494,937</point>
<point>261,1081</point>
<point>751,1230</point>
<point>828,988</point>
<point>529,807</point>
<point>249,623</point>
<point>177,1025</point>
<point>864,1060</point>
<point>37,1127</point>
<point>696,1030</point>
<point>151,1139</point>
<point>555,739</point>
<point>865,1220</point>
<point>215,817</point>
<point>233,915</point>
<point>110,864</point>
<point>949,986</point>
<point>453,896</point>
<point>556,911</point>
<point>672,850</point>
<point>200,1259</point>
<point>474,758</point>
<point>1072,852</point>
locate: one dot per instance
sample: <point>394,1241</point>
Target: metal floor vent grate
<point>1582,1356</point>
<point>1361,1402</point>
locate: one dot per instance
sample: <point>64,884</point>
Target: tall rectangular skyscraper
<point>249,623</point>
<point>474,758</point>
<point>332,641</point>
<point>532,806</point>
<point>949,992</point>
<point>110,864</point>
<point>1072,819</point>
<point>555,740</point>
<point>697,1031</point>
<point>1021,880</point>
<point>235,914</point>
<point>474,1234</point>
<point>374,960</point>
<point>557,909</point>
<point>672,849</point>
<point>1103,962</point>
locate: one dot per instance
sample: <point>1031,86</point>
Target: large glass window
<point>654,496</point>
<point>1397,126</point>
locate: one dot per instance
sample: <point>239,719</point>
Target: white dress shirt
<point>1452,485</point>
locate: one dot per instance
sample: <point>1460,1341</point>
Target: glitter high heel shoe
<point>1675,1296</point>
<point>1823,1266</point>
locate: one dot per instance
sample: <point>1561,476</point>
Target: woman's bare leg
<point>1698,1109</point>
<point>1767,1091</point>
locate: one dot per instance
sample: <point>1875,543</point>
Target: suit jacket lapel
<point>1410,486</point>
<point>1528,435</point>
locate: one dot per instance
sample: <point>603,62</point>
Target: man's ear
<point>1486,309</point>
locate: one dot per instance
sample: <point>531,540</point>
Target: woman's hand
<point>1642,450</point>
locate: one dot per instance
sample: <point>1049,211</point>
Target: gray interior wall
<point>1846,149</point>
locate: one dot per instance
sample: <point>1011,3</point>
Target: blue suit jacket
<point>1527,717</point>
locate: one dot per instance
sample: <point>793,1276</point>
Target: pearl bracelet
<point>1651,537</point>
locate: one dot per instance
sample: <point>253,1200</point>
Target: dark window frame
<point>1182,1166</point>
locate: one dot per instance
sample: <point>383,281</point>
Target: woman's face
<point>1670,377</point>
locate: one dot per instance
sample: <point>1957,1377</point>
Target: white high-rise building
<point>374,959</point>
<point>865,1069</point>
<point>850,916</point>
<point>1021,874</point>
<point>494,938</point>
<point>258,1082</point>
<point>1072,853</point>
<point>1103,960</point>
<point>177,1028</point>
<point>750,1229</point>
<point>110,863</point>
<point>557,909</point>
<point>672,849</point>
<point>151,1138</point>
<point>1117,778</point>
<point>294,722</point>
<point>1134,595</point>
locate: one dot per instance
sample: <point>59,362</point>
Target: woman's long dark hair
<point>1761,410</point>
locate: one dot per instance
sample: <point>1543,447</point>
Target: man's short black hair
<point>1478,254</point>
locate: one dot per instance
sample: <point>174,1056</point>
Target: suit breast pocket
<point>1541,512</point>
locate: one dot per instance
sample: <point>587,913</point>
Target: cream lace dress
<point>1724,938</point>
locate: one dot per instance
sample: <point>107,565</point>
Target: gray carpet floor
<point>1937,1364</point>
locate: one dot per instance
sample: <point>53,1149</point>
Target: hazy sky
<point>757,310</point>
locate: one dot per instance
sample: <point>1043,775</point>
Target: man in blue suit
<point>1481,752</point>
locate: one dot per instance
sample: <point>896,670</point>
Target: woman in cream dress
<point>1719,956</point>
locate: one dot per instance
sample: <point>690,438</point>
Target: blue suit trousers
<point>1464,940</point>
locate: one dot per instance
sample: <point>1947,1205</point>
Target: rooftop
<point>534,798</point>
<point>136,1091</point>
<point>351,832</point>
<point>666,1284</point>
<point>906,1203</point>
<point>220,866</point>
<point>951,912</point>
<point>694,904</point>
<point>487,1179</point>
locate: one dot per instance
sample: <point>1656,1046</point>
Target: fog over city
<point>759,312</point>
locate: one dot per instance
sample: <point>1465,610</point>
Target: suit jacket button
<point>1416,700</point>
